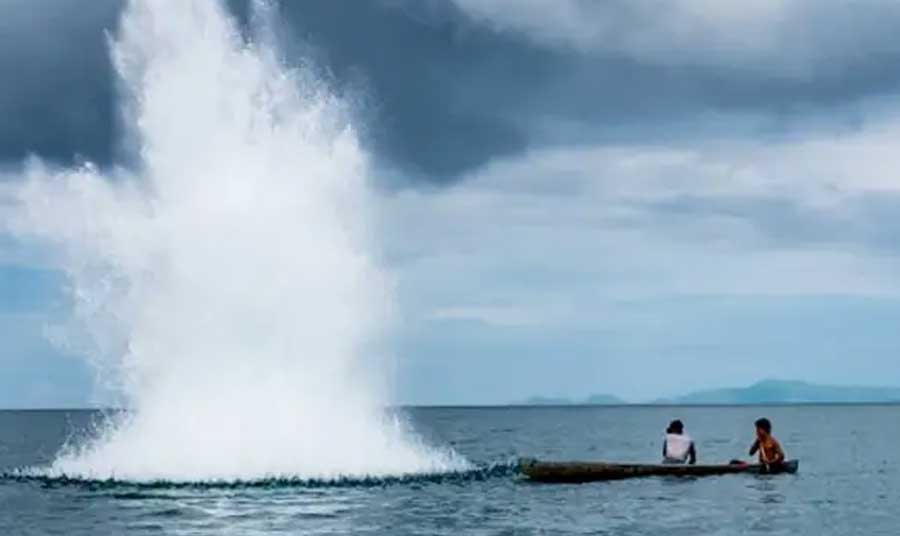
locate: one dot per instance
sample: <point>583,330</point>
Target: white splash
<point>226,289</point>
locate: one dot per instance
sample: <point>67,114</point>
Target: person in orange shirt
<point>770,452</point>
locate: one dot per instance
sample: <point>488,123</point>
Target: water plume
<point>225,285</point>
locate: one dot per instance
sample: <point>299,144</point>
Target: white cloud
<point>572,231</point>
<point>792,36</point>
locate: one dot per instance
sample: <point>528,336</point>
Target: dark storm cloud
<point>454,93</point>
<point>56,86</point>
<point>447,93</point>
<point>443,88</point>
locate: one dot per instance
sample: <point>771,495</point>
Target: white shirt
<point>678,446</point>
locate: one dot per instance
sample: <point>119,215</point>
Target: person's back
<point>678,447</point>
<point>766,445</point>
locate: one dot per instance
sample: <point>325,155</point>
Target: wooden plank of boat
<point>576,472</point>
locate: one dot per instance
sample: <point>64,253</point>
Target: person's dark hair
<point>675,427</point>
<point>764,424</point>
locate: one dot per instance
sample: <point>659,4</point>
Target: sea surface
<point>849,480</point>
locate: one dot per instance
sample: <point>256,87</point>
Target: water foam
<point>226,288</point>
<point>474,473</point>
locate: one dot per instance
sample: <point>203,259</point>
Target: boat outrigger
<point>578,472</point>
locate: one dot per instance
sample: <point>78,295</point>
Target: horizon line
<point>870,403</point>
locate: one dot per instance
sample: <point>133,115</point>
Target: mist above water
<point>225,289</point>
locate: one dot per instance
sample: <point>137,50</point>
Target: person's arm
<point>754,447</point>
<point>692,453</point>
<point>664,449</point>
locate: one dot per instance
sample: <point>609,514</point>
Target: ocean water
<point>848,481</point>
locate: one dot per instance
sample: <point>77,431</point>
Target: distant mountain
<point>593,400</point>
<point>604,400</point>
<point>763,392</point>
<point>547,401</point>
<point>787,392</point>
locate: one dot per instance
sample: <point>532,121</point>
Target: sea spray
<point>225,284</point>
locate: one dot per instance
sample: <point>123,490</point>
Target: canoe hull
<point>577,472</point>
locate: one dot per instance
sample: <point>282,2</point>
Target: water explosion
<point>226,285</point>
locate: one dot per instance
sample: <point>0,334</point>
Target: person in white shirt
<point>678,447</point>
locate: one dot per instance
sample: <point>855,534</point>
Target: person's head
<point>675,427</point>
<point>763,427</point>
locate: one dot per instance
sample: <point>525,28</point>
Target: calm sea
<point>849,480</point>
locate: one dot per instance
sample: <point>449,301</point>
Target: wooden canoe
<point>576,472</point>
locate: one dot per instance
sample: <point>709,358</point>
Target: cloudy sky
<point>630,197</point>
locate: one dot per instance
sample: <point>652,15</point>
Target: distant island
<point>788,392</point>
<point>547,401</point>
<point>604,400</point>
<point>760,393</point>
<point>592,400</point>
